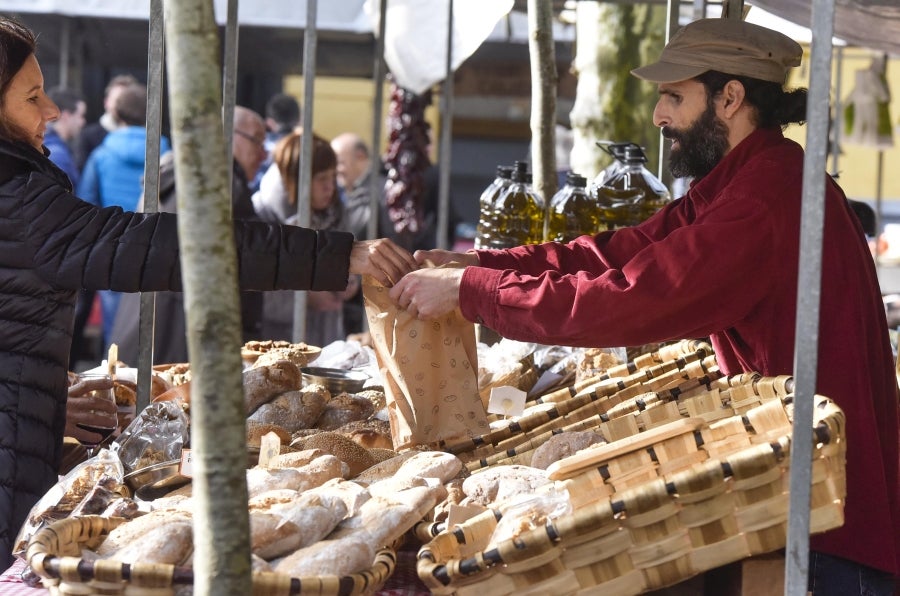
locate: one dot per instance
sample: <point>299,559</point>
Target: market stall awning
<point>872,24</point>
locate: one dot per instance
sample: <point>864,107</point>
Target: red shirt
<point>722,262</point>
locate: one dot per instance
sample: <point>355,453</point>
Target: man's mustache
<point>670,134</point>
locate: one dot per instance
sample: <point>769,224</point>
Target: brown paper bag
<point>430,371</point>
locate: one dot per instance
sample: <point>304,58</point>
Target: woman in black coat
<point>52,244</point>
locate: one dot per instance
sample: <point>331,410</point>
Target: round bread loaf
<point>354,455</point>
<point>256,431</point>
<point>563,445</point>
<point>342,409</point>
<point>293,410</point>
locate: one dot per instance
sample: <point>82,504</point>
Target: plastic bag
<point>528,513</point>
<point>58,502</point>
<point>157,435</point>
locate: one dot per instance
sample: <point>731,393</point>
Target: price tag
<point>269,447</point>
<point>507,401</point>
<point>457,514</point>
<point>186,467</point>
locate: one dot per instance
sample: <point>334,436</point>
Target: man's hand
<point>382,259</point>
<point>429,293</point>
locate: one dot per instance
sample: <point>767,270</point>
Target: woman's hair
<point>17,43</point>
<point>287,158</point>
<point>774,105</point>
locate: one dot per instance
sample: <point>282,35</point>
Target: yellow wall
<point>345,105</point>
<point>857,165</point>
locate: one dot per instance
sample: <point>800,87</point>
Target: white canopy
<point>872,24</point>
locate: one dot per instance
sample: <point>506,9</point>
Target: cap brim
<point>668,72</point>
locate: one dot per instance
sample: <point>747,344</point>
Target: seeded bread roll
<point>354,455</point>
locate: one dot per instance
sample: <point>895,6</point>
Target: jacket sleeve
<point>73,245</point>
<point>657,281</point>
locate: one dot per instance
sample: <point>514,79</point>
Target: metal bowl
<point>336,380</point>
<point>152,474</point>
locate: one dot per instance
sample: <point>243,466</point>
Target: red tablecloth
<point>11,582</point>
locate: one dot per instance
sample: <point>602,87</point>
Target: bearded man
<point>721,261</point>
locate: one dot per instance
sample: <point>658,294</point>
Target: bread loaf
<point>293,410</point>
<point>257,430</point>
<point>492,486</point>
<point>563,445</point>
<point>353,454</point>
<point>300,522</point>
<point>135,530</point>
<point>170,543</point>
<point>263,383</point>
<point>315,473</point>
<point>431,464</point>
<point>344,556</point>
<point>343,409</point>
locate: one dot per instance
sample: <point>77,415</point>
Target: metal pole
<point>147,316</point>
<point>229,83</point>
<point>671,28</point>
<point>375,189</point>
<point>304,176</point>
<point>65,45</point>
<point>809,285</point>
<point>443,214</point>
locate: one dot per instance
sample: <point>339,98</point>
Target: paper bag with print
<point>430,371</point>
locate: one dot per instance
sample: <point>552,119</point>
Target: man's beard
<point>700,147</point>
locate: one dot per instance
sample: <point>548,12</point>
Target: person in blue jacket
<point>113,174</point>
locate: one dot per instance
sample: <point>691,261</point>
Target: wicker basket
<point>586,407</point>
<point>54,553</point>
<point>677,496</point>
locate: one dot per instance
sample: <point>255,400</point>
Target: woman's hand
<point>382,259</point>
<point>91,411</point>
<point>429,293</point>
<point>439,256</point>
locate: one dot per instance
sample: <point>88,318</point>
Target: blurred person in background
<point>57,244</point>
<point>93,134</point>
<point>62,133</point>
<point>282,116</point>
<point>170,337</point>
<point>113,174</point>
<point>276,202</point>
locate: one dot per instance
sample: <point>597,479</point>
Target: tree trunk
<point>543,97</point>
<point>611,104</point>
<point>209,272</point>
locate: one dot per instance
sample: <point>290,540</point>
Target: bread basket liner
<point>657,511</point>
<point>54,554</point>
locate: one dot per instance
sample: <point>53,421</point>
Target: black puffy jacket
<point>51,245</point>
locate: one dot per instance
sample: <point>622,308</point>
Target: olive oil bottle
<point>627,192</point>
<point>486,202</point>
<point>518,214</point>
<point>573,211</point>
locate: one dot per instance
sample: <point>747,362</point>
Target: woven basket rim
<point>383,565</point>
<point>450,571</point>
